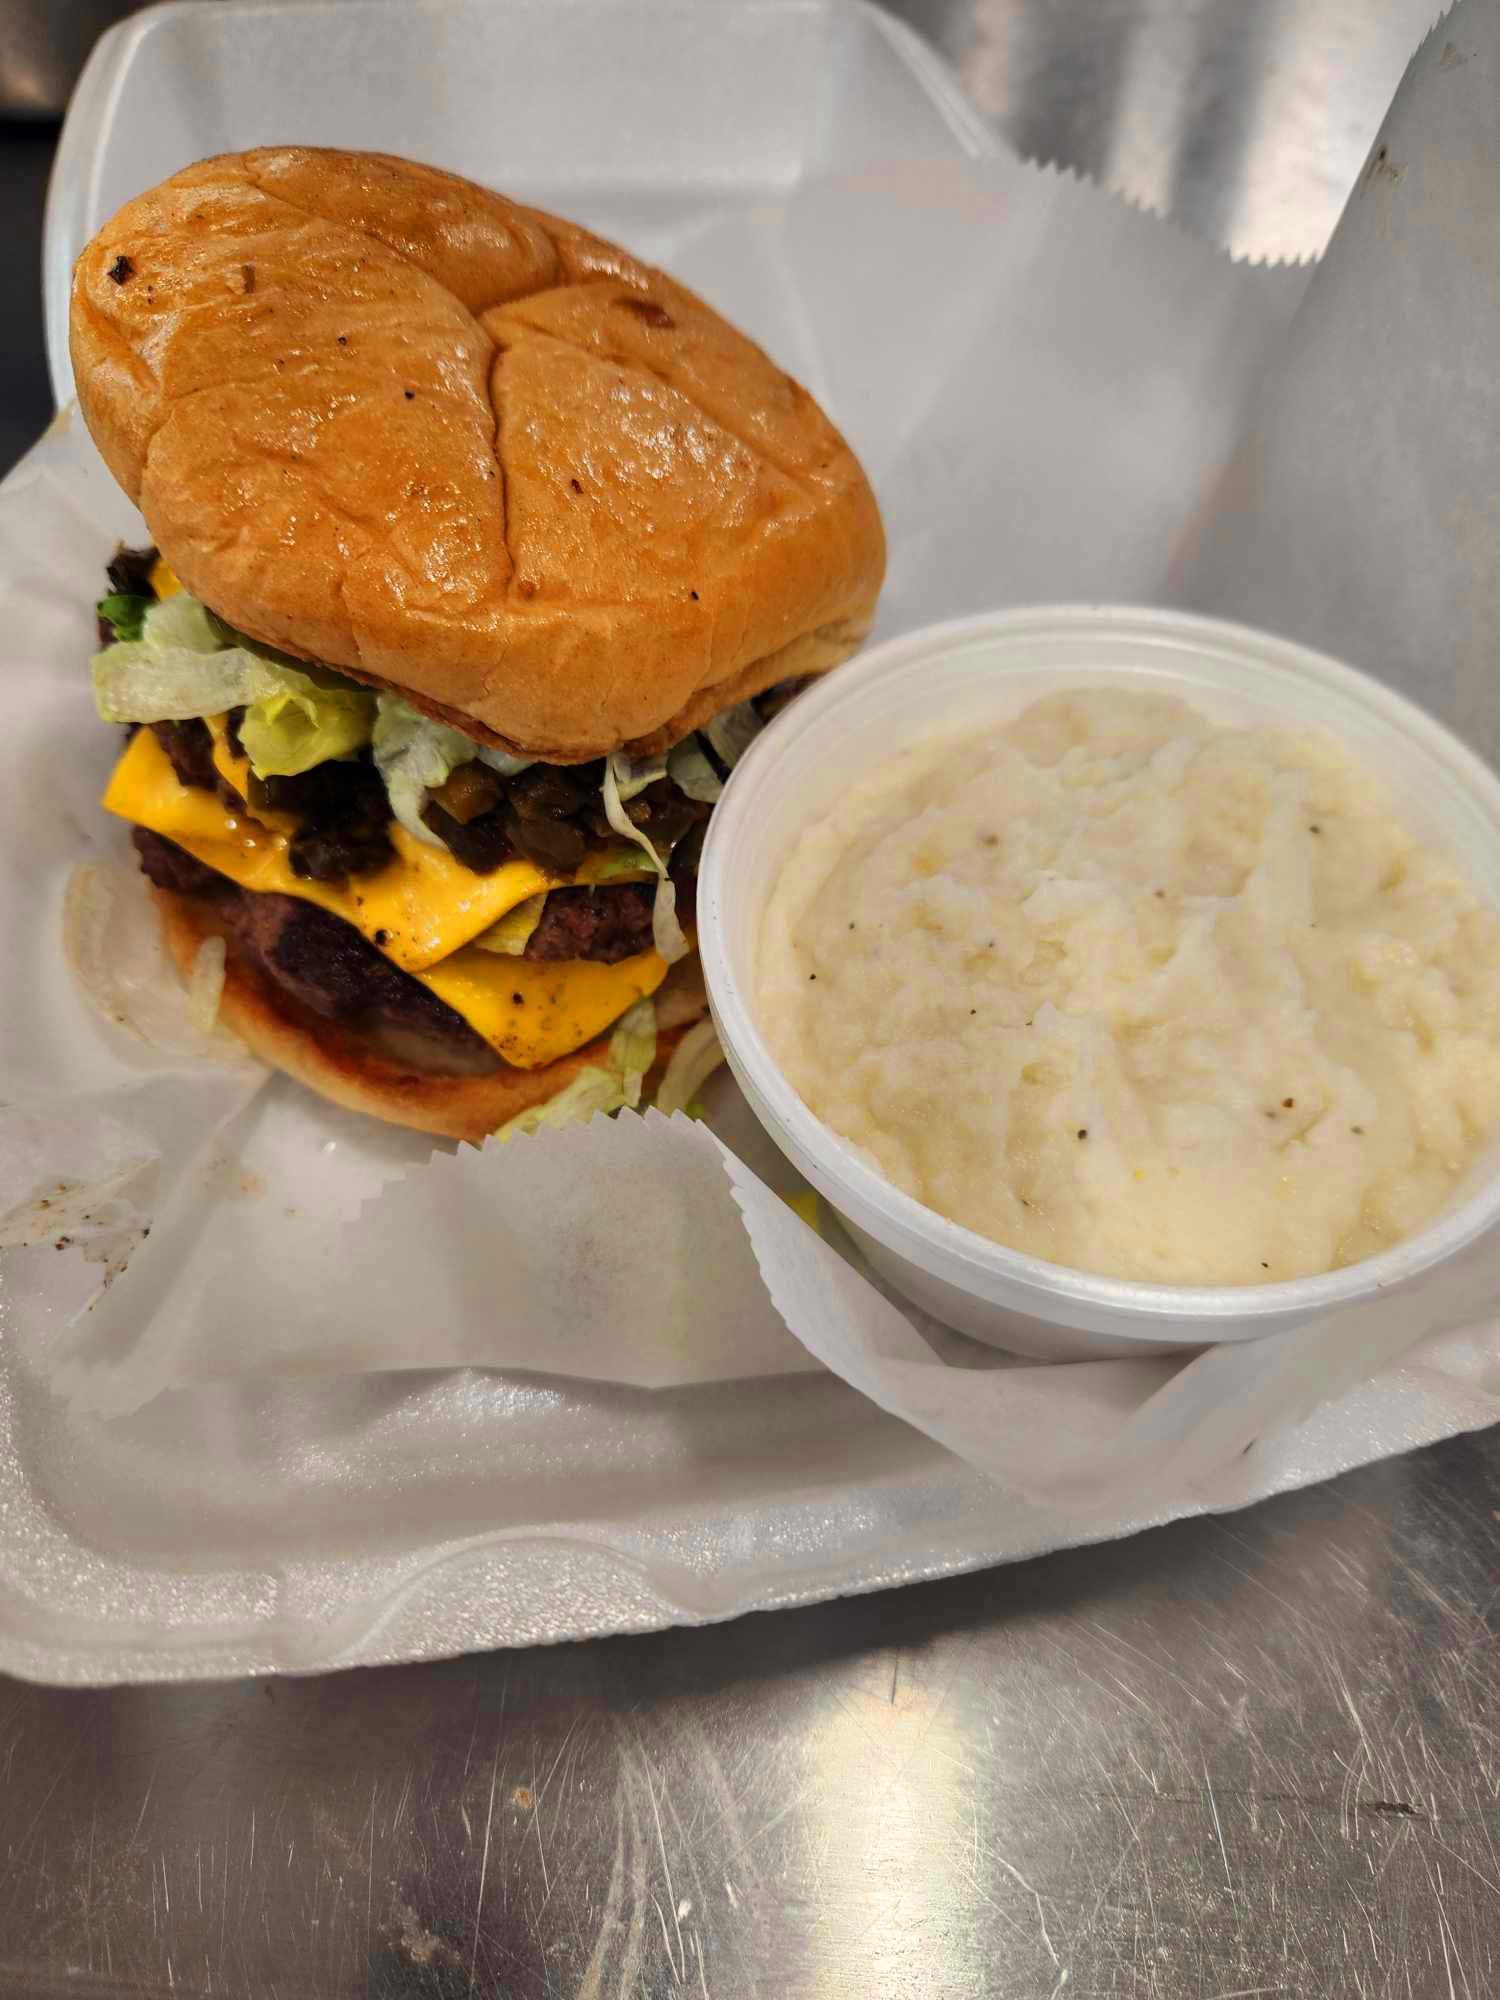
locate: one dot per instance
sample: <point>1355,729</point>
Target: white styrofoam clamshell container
<point>300,1526</point>
<point>685,99</point>
<point>983,671</point>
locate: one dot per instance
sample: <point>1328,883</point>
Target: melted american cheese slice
<point>531,1013</point>
<point>421,910</point>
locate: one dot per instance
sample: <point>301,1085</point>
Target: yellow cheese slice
<point>420,908</point>
<point>163,580</point>
<point>236,772</point>
<point>531,1012</point>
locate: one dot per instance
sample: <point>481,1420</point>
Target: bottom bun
<point>348,1069</point>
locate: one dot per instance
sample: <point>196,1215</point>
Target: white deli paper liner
<point>1046,387</point>
<point>1360,512</point>
<point>582,1252</point>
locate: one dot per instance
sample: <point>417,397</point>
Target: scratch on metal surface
<point>1155,1665</point>
<point>1445,1933</point>
<point>609,1916</point>
<point>667,1943</point>
<point>1149,1776</point>
<point>774,1821</point>
<point>1041,1915</point>
<point>1299,1618</point>
<point>541,1855</point>
<point>1011,1924</point>
<point>401,1803</point>
<point>370,1877</point>
<point>474,1725</point>
<point>715,1791</point>
<point>572,1744</point>
<point>665,1865</point>
<point>63,1766</point>
<point>635,1943</point>
<point>1087,1926</point>
<point>689,1849</point>
<point>536,1814</point>
<point>1218,1827</point>
<point>484,1864</point>
<point>224,1885</point>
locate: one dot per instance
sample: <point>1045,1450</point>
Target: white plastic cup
<point>985,670</point>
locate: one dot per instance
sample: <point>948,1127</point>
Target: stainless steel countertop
<point>1242,1757</point>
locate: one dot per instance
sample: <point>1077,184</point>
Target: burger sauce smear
<point>1140,994</point>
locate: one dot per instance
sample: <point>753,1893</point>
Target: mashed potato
<point>1140,994</point>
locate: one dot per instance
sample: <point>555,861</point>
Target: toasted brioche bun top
<point>380,417</point>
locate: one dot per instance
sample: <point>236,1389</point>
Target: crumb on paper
<point>230,1180</point>
<point>1383,168</point>
<point>68,1213</point>
<point>113,1248</point>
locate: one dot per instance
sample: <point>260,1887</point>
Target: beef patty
<point>317,959</point>
<point>326,966</point>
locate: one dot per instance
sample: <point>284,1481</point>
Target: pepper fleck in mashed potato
<point>1140,994</point>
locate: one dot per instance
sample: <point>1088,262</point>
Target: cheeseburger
<point>480,551</point>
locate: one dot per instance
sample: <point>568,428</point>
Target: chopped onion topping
<point>206,985</point>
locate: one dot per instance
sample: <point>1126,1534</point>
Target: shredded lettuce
<point>632,1048</point>
<point>502,761</point>
<point>512,933</point>
<point>621,863</point>
<point>617,1087</point>
<point>180,667</point>
<point>731,732</point>
<point>124,612</point>
<point>692,1062</point>
<point>416,755</point>
<point>634,774</point>
<point>307,718</point>
<point>592,1090</point>
<point>135,682</point>
<point>181,621</point>
<point>691,772</point>
<point>665,930</point>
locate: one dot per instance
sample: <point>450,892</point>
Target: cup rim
<point>897,1219</point>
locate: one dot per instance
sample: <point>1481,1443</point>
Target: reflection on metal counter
<point>1247,123</point>
<point>43,44</point>
<point>1249,1756</point>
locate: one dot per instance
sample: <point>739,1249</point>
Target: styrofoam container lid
<point>687,100</point>
<point>985,670</point>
